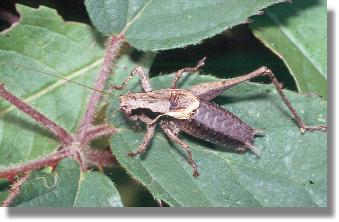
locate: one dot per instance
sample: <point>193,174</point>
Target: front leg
<point>146,141</point>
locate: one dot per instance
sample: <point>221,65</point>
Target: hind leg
<point>208,91</point>
<point>179,73</point>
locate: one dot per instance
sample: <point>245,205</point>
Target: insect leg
<point>146,141</point>
<point>210,90</point>
<point>300,122</point>
<point>145,84</point>
<point>214,89</point>
<point>189,69</point>
<point>175,139</point>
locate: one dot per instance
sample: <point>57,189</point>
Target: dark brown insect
<point>190,111</point>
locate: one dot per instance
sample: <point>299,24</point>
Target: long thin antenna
<point>60,77</point>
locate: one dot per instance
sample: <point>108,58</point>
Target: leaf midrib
<point>130,23</point>
<point>55,85</point>
<point>291,38</point>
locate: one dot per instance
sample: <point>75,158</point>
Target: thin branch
<point>99,158</point>
<point>48,160</point>
<point>63,136</point>
<point>95,132</point>
<point>85,134</point>
<point>113,46</point>
<point>15,190</point>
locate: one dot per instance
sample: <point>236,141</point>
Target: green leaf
<point>126,63</point>
<point>110,16</point>
<point>297,32</point>
<point>42,41</point>
<point>290,172</point>
<point>158,25</point>
<point>67,186</point>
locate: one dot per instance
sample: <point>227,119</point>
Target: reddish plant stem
<point>99,158</point>
<point>49,160</point>
<point>15,190</point>
<point>84,135</point>
<point>113,46</point>
<point>63,136</point>
<point>98,131</point>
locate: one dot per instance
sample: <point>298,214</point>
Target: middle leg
<point>146,141</point>
<point>169,133</point>
<point>179,73</point>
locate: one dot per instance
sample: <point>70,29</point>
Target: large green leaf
<point>67,186</point>
<point>297,32</point>
<point>158,24</point>
<point>43,41</point>
<point>291,170</point>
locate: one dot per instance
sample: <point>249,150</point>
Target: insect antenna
<point>60,77</point>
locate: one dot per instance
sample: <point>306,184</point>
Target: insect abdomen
<point>217,125</point>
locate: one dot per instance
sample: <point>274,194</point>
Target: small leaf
<point>158,25</point>
<point>297,32</point>
<point>67,186</point>
<point>279,178</point>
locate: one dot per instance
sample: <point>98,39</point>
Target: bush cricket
<point>191,111</point>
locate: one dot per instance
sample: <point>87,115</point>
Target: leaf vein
<point>56,84</point>
<point>294,42</point>
<point>128,24</point>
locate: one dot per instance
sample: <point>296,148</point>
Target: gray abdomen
<point>217,125</point>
